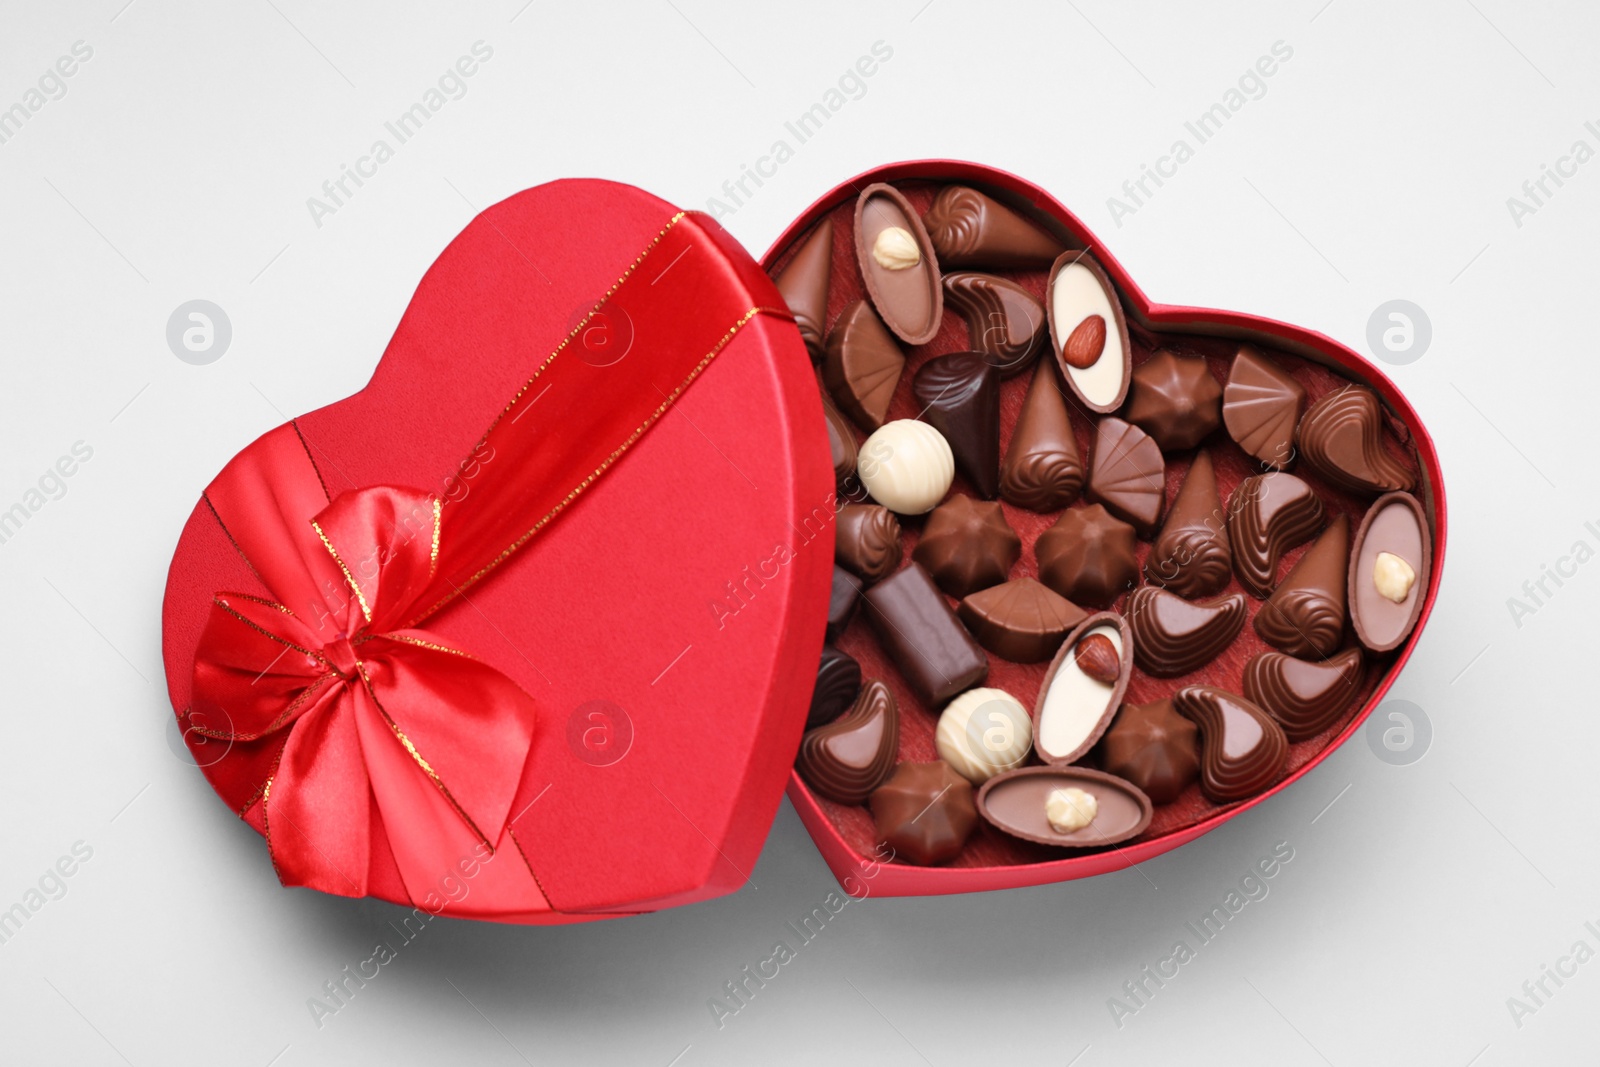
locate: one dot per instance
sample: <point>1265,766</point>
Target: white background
<point>1377,165</point>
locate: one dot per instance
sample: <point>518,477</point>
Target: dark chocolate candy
<point>1341,438</point>
<point>803,284</point>
<point>1005,322</point>
<point>1260,407</point>
<point>1243,750</point>
<point>1304,616</point>
<point>1191,556</point>
<point>1087,556</point>
<point>1389,571</point>
<point>1153,747</point>
<point>1094,356</point>
<point>967,545</point>
<point>843,598</point>
<point>959,395</point>
<point>1022,620</point>
<point>935,654</point>
<point>1076,700</point>
<point>901,276</point>
<point>1017,802</point>
<point>841,440</point>
<point>1305,696</point>
<point>924,812</point>
<point>862,365</point>
<point>838,683</point>
<point>1268,515</point>
<point>867,541</point>
<point>970,229</point>
<point>1042,471</point>
<point>1175,400</point>
<point>1173,636</point>
<point>1127,474</point>
<point>848,758</point>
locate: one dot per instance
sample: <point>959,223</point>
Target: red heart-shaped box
<point>990,860</point>
<point>666,725</point>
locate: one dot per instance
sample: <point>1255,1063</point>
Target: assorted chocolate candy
<point>1085,596</point>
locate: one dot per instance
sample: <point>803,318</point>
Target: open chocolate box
<point>1187,593</point>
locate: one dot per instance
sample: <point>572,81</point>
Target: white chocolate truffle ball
<point>982,733</point>
<point>907,466</point>
<point>1070,809</point>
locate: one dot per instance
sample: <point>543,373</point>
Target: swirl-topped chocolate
<point>1305,615</point>
<point>1191,556</point>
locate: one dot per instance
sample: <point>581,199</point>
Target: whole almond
<point>1088,340</point>
<point>1098,658</point>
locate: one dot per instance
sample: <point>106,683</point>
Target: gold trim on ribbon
<point>350,579</point>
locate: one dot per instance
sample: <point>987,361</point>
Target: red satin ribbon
<point>394,743</point>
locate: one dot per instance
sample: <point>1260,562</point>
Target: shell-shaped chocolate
<point>1153,747</point>
<point>848,758</point>
<point>1191,556</point>
<point>969,229</point>
<point>1073,707</point>
<point>838,683</point>
<point>1260,407</point>
<point>1127,474</point>
<point>1305,615</point>
<point>1305,696</point>
<point>1021,620</point>
<point>862,365</point>
<point>1243,750</point>
<point>1042,470</point>
<point>907,294</point>
<point>1016,802</point>
<point>1173,636</point>
<point>1341,438</point>
<point>1078,292</point>
<point>867,541</point>
<point>1005,322</point>
<point>1268,515</point>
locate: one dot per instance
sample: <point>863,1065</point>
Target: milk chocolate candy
<point>1088,556</point>
<point>838,683</point>
<point>969,229</point>
<point>924,812</point>
<point>936,656</point>
<point>1088,332</point>
<point>1042,471</point>
<point>898,265</point>
<point>1261,407</point>
<point>862,365</point>
<point>1153,747</point>
<point>1127,474</point>
<point>1305,696</point>
<point>1022,620</point>
<point>967,545</point>
<point>1341,438</point>
<point>1079,695</point>
<point>1175,400</point>
<point>959,395</point>
<point>841,441</point>
<point>1005,322</point>
<point>1268,515</point>
<point>843,598</point>
<point>1389,571</point>
<point>847,759</point>
<point>1304,616</point>
<point>1019,801</point>
<point>1191,556</point>
<point>803,284</point>
<point>1242,749</point>
<point>867,541</point>
<point>1173,636</point>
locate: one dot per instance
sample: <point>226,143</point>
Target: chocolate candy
<point>1172,636</point>
<point>838,683</point>
<point>1153,747</point>
<point>924,812</point>
<point>1389,571</point>
<point>1267,515</point>
<point>1341,438</point>
<point>1305,697</point>
<point>1304,616</point>
<point>1087,556</point>
<point>847,759</point>
<point>1260,407</point>
<point>1021,621</point>
<point>1242,749</point>
<point>867,541</point>
<point>803,283</point>
<point>1088,332</point>
<point>936,656</point>
<point>1005,322</point>
<point>1127,474</point>
<point>969,229</point>
<point>1042,471</point>
<point>967,545</point>
<point>1174,400</point>
<point>1076,705</point>
<point>982,733</point>
<point>841,440</point>
<point>907,466</point>
<point>1102,808</point>
<point>959,395</point>
<point>1191,556</point>
<point>898,265</point>
<point>843,597</point>
<point>862,365</point>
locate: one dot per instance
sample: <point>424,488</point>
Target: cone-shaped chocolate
<point>1191,556</point>
<point>862,365</point>
<point>1304,616</point>
<point>971,230</point>
<point>1127,474</point>
<point>867,541</point>
<point>1042,469</point>
<point>1022,620</point>
<point>959,395</point>
<point>847,759</point>
<point>1004,321</point>
<point>804,286</point>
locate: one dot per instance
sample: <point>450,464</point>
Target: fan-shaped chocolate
<point>905,290</point>
<point>1175,400</point>
<point>1260,406</point>
<point>848,758</point>
<point>1127,474</point>
<point>838,683</point>
<point>1173,636</point>
<point>867,540</point>
<point>1268,515</point>
<point>924,812</point>
<point>1304,616</point>
<point>1153,747</point>
<point>1005,322</point>
<point>1389,571</point>
<point>967,545</point>
<point>1243,750</point>
<point>959,395</point>
<point>1087,556</point>
<point>1341,438</point>
<point>862,365</point>
<point>1191,556</point>
<point>803,283</point>
<point>1305,696</point>
<point>1042,471</point>
<point>969,229</point>
<point>1022,620</point>
<point>1017,803</point>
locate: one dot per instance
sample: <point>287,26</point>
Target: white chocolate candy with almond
<point>907,466</point>
<point>982,733</point>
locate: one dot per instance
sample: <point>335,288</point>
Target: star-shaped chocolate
<point>967,545</point>
<point>1153,747</point>
<point>1174,400</point>
<point>1088,556</point>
